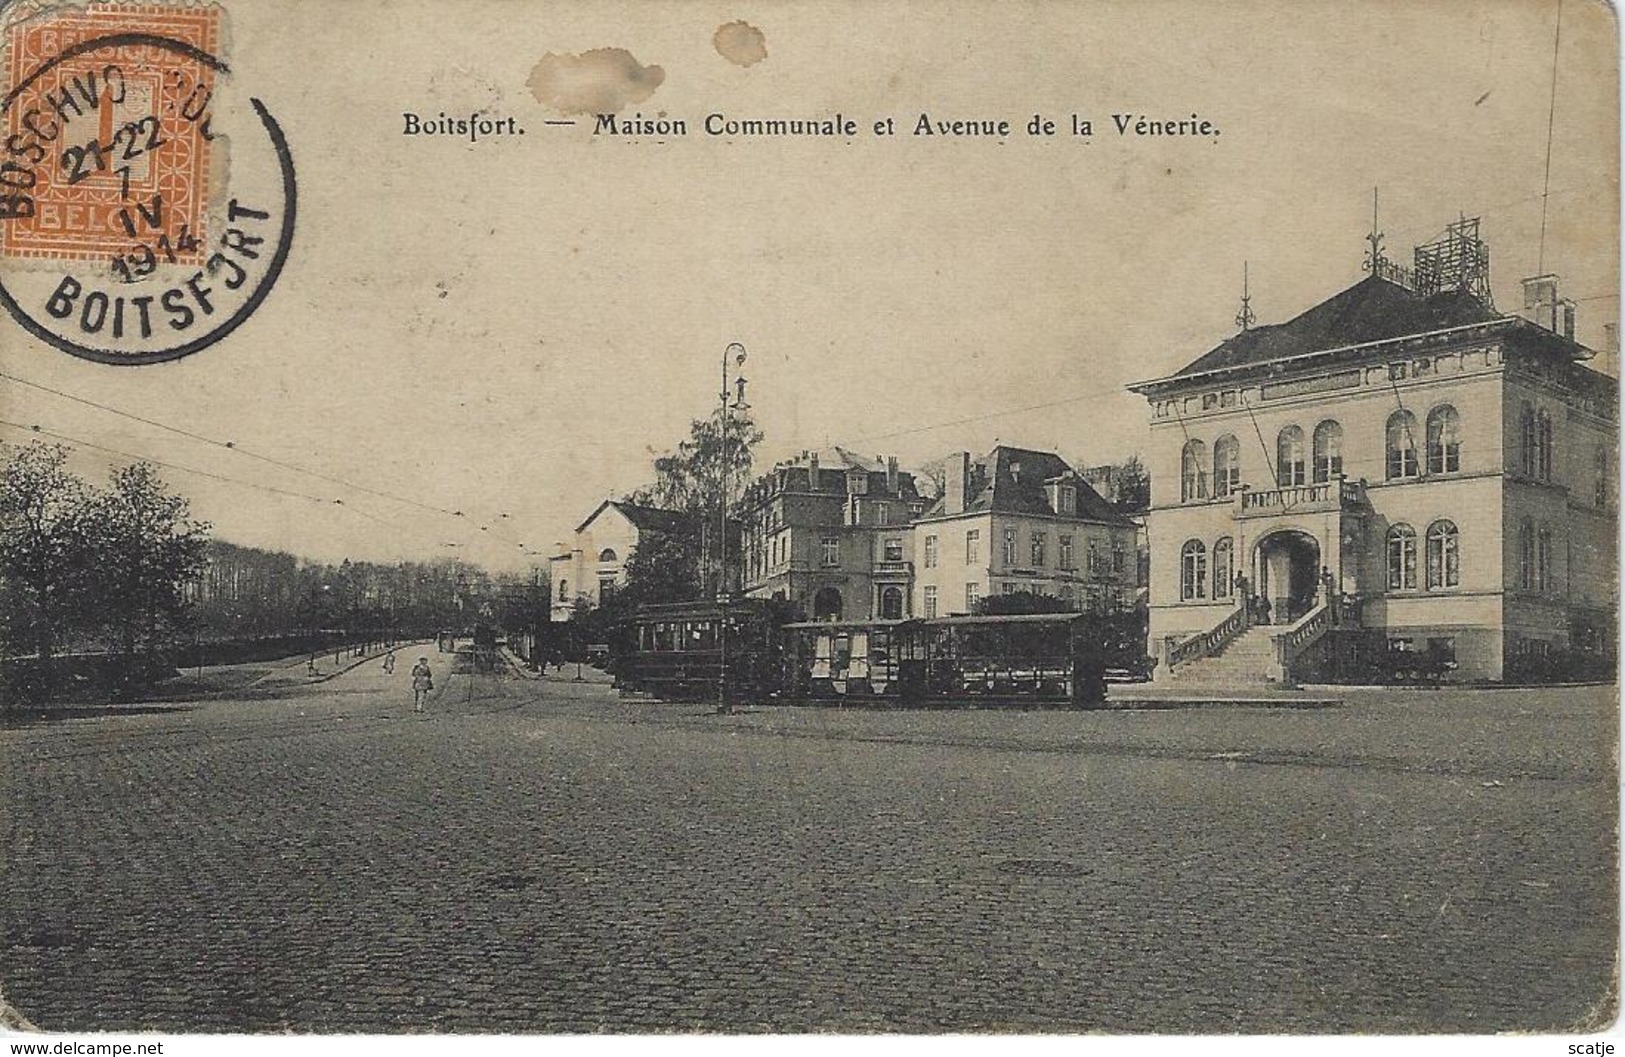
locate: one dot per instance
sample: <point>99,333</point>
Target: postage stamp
<point>146,203</point>
<point>139,138</point>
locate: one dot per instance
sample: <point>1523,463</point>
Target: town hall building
<point>1399,469</point>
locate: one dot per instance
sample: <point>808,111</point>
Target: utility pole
<point>736,353</point>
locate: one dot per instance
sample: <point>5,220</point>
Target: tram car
<point>1039,658</point>
<point>678,651</point>
<point>673,652</point>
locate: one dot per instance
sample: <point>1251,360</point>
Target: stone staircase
<point>1247,661</point>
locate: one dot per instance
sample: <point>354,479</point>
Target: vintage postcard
<point>529,518</point>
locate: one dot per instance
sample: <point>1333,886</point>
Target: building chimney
<point>1607,359</point>
<point>1540,303</point>
<point>891,475</point>
<point>955,482</point>
<point>812,471</point>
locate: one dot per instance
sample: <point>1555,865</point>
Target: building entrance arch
<point>1286,570</point>
<point>827,604</point>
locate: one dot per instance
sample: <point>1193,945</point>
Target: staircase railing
<point>1291,643</point>
<point>1207,643</point>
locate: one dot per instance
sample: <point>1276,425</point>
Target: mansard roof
<point>1014,481</point>
<point>1374,309</point>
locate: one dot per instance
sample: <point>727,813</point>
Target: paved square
<point>543,857</point>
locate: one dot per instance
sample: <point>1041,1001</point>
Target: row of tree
<point>247,593</point>
<point>89,567</point>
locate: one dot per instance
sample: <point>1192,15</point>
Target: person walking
<point>389,663</point>
<point>422,683</point>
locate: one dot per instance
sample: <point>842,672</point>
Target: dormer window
<point>857,483</point>
<point>1069,500</point>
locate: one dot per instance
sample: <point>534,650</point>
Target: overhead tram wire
<point>270,460</point>
<point>325,501</point>
<point>1551,125</point>
<point>1081,398</point>
<point>79,442</point>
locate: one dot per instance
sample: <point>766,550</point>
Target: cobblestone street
<point>544,857</point>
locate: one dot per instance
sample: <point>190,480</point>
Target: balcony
<point>885,568</point>
<point>1328,496</point>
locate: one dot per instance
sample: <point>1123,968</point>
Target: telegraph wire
<point>226,444</point>
<point>1082,398</point>
<point>1551,124</point>
<point>80,443</point>
<point>325,501</point>
<point>234,447</point>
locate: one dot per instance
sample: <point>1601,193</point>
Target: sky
<point>513,328</point>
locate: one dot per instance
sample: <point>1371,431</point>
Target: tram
<point>680,651</point>
<point>677,652</point>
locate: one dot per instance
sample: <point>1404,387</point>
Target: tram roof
<point>1011,618</point>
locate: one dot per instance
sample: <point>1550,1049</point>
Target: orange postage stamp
<point>125,235</point>
<point>123,121</point>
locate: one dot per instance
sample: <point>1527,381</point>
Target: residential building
<point>593,566</point>
<point>1020,521</point>
<point>829,532</point>
<point>1399,468</point>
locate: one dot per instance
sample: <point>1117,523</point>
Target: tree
<point>46,551</point>
<point>1132,486</point>
<point>665,567</point>
<point>932,479</point>
<point>147,548</point>
<point>690,478</point>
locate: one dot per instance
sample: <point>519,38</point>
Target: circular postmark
<point>146,210</point>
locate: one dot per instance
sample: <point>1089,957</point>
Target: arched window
<point>1444,556</point>
<point>1224,568</point>
<point>1543,431</point>
<point>1401,446</point>
<point>1289,465</point>
<point>1226,465</point>
<point>564,590</point>
<point>1401,558</point>
<point>606,555</point>
<point>1193,472</point>
<point>1193,571</point>
<point>1529,452</point>
<point>1444,440</point>
<point>1328,452</point>
<point>1526,556</point>
<point>1544,575</point>
<point>891,604</point>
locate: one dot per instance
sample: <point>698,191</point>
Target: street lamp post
<point>729,401</point>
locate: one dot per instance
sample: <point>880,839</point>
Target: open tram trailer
<point>674,652</point>
<point>1030,658</point>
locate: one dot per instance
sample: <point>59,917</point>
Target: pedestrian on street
<point>422,683</point>
<point>389,664</point>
